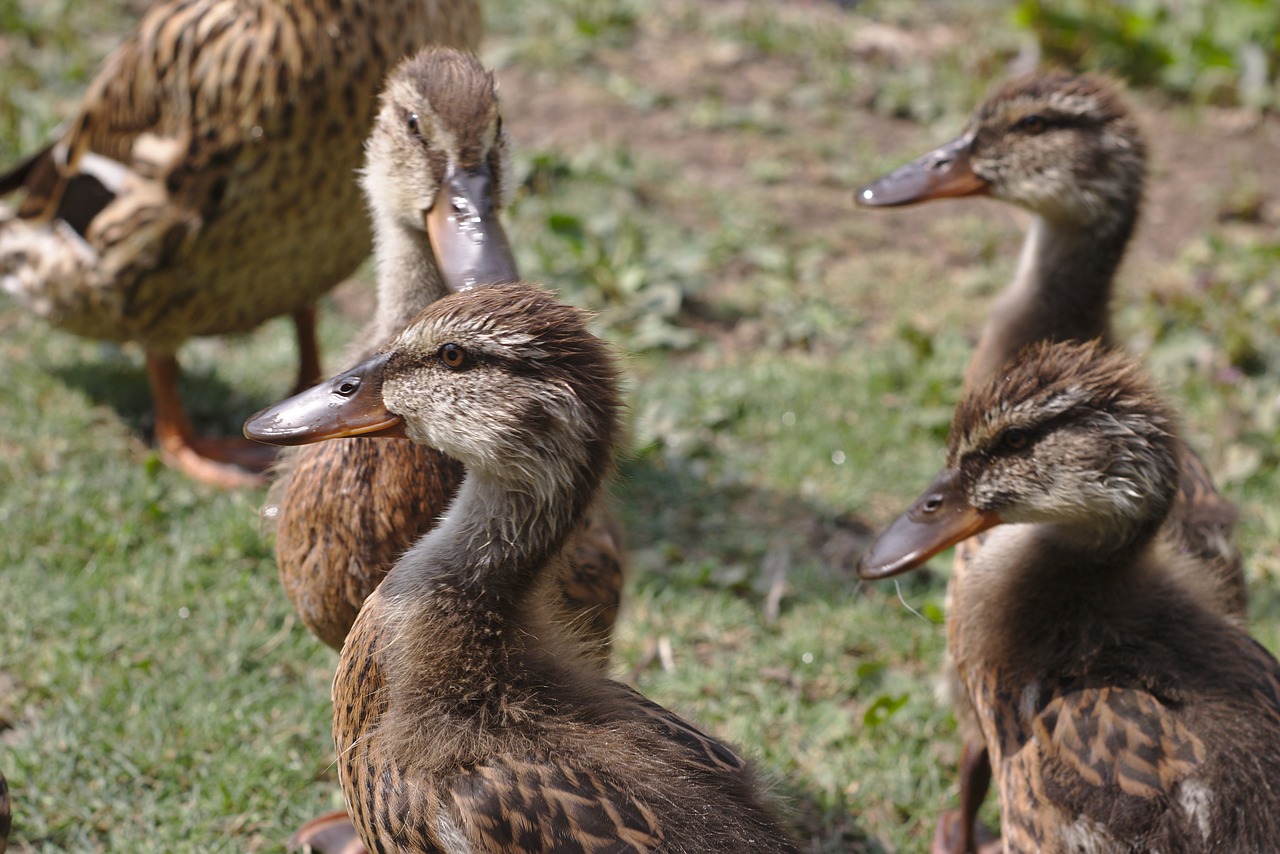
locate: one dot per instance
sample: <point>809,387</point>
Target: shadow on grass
<point>775,550</point>
<point>677,518</point>
<point>213,404</point>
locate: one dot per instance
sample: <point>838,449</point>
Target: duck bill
<point>939,518</point>
<point>350,404</point>
<point>945,172</point>
<point>468,241</point>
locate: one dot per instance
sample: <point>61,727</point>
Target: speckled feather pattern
<point>236,128</point>
<point>466,719</point>
<point>332,558</point>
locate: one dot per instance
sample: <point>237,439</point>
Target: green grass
<point>792,366</point>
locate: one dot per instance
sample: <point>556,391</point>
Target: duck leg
<point>331,833</point>
<point>304,321</point>
<point>228,462</point>
<point>959,831</point>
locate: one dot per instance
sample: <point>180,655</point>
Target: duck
<point>1067,149</point>
<point>1123,712</point>
<point>205,185</point>
<point>466,716</point>
<point>345,511</point>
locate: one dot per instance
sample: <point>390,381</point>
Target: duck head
<point>1068,435</point>
<point>439,161</point>
<point>1062,146</point>
<point>506,379</point>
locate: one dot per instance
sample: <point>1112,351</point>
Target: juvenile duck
<point>1066,149</point>
<point>1122,712</point>
<point>466,719</point>
<point>205,185</point>
<point>347,510</point>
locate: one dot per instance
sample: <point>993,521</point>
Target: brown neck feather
<point>1061,291</point>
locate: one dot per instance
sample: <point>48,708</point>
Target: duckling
<point>346,511</point>
<point>466,718</point>
<point>205,185</point>
<point>1067,149</point>
<point>1122,712</point>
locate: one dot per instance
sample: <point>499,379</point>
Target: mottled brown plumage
<point>346,511</point>
<point>1067,149</point>
<point>466,718</point>
<point>1122,710</point>
<point>206,183</point>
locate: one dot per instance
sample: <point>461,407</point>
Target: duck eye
<point>1030,124</point>
<point>1014,439</point>
<point>454,357</point>
<point>413,123</point>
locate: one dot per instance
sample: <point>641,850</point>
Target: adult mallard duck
<point>466,718</point>
<point>1067,149</point>
<point>206,184</point>
<point>1122,712</point>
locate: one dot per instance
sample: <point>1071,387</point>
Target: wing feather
<point>512,804</point>
<point>1119,737</point>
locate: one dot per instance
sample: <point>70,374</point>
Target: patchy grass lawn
<point>687,169</point>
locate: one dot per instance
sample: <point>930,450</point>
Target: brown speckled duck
<point>1122,712</point>
<point>466,718</point>
<point>207,184</point>
<point>1066,149</point>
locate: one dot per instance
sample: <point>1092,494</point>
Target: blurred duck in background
<point>207,184</point>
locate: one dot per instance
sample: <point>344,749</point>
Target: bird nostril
<point>940,163</point>
<point>932,504</point>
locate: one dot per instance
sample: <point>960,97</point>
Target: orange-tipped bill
<point>939,518</point>
<point>350,404</point>
<point>470,246</point>
<point>945,172</point>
